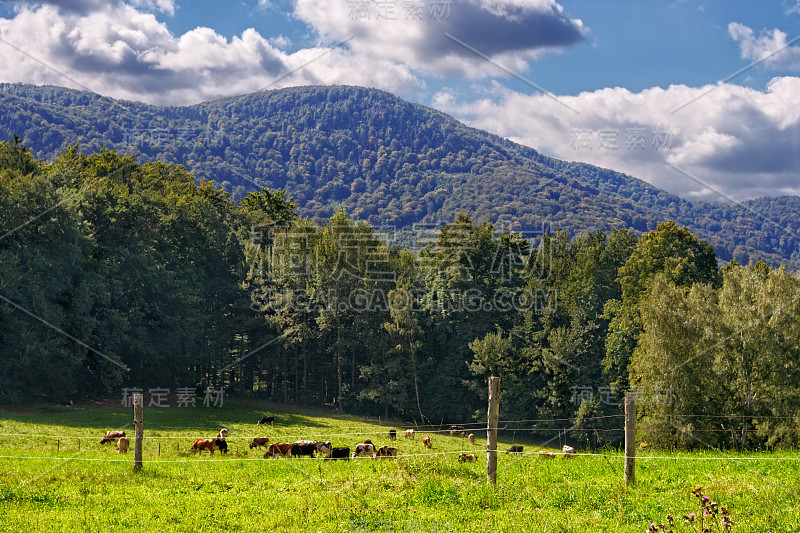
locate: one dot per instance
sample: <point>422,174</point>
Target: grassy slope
<point>66,491</point>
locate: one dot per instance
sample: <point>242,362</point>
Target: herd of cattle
<point>310,448</point>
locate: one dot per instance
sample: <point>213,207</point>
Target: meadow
<point>47,484</point>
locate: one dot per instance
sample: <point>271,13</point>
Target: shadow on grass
<point>108,415</point>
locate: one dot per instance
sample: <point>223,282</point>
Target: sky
<point>697,97</point>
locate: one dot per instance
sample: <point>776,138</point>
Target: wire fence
<point>454,430</point>
<point>535,455</point>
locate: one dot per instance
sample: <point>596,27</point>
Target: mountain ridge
<point>387,161</point>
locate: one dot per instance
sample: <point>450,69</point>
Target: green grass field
<point>95,489</point>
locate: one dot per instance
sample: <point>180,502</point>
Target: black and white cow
<point>304,447</point>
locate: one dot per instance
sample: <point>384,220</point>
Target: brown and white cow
<point>260,441</point>
<point>324,447</point>
<point>471,438</point>
<point>467,457</point>
<point>364,449</point>
<point>279,449</point>
<point>410,434</point>
<point>203,444</point>
<point>122,445</point>
<point>112,436</point>
<point>426,440</point>
<point>386,452</point>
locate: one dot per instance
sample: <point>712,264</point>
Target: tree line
<point>117,274</point>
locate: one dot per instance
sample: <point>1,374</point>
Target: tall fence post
<point>491,430</point>
<point>630,439</point>
<point>138,408</point>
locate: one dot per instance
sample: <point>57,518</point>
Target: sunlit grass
<point>67,491</point>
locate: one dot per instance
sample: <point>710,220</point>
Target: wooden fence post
<point>630,439</point>
<point>491,430</point>
<point>138,408</point>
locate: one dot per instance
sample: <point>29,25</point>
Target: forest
<point>387,162</point>
<point>116,273</point>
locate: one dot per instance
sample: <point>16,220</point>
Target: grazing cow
<point>203,444</point>
<point>339,453</point>
<point>267,420</point>
<point>458,429</point>
<point>323,447</point>
<point>546,455</point>
<point>223,434</point>
<point>65,404</point>
<point>364,449</point>
<point>304,447</point>
<point>221,445</point>
<point>122,445</point>
<point>386,452</point>
<point>392,434</point>
<point>260,441</point>
<point>279,449</point>
<point>426,440</point>
<point>514,449</point>
<point>471,438</point>
<point>467,458</point>
<point>569,451</point>
<point>112,436</point>
<point>410,434</point>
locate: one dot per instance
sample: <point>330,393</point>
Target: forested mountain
<point>386,161</point>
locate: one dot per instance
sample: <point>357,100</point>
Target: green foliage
<point>133,260</point>
<point>671,251</point>
<point>115,273</point>
<point>388,162</point>
<point>730,352</point>
<point>494,355</point>
<point>272,206</point>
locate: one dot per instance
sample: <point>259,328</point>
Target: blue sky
<point>647,88</point>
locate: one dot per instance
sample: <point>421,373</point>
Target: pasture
<point>95,489</point>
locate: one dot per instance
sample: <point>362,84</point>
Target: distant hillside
<point>387,161</point>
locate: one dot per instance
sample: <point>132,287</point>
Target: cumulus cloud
<point>416,33</point>
<point>165,6</point>
<point>770,48</point>
<point>86,6</point>
<point>119,50</point>
<point>742,142</point>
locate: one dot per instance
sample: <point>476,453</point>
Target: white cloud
<point>770,48</point>
<point>165,6</point>
<point>513,32</point>
<point>741,141</point>
<point>121,51</point>
<point>281,41</point>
